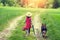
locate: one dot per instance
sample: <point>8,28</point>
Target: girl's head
<point>29,14</point>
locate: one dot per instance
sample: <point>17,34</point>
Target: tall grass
<point>53,24</point>
<point>19,34</point>
<point>8,13</point>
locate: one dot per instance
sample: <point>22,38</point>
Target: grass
<point>8,13</point>
<point>53,24</point>
<point>52,20</point>
<point>18,34</point>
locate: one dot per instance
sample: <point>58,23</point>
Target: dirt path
<point>37,27</point>
<point>12,25</point>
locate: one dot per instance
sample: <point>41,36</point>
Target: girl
<point>28,23</point>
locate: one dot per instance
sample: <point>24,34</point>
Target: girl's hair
<point>28,17</point>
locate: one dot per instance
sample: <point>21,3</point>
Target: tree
<point>59,2</point>
<point>10,2</point>
<point>55,4</point>
<point>20,2</point>
<point>3,2</point>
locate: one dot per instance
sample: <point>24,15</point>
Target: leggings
<point>28,31</point>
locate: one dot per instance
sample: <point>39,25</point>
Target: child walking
<point>27,26</point>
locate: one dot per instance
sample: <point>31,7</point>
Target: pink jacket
<point>28,23</point>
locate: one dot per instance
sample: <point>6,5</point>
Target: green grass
<point>52,20</point>
<point>53,24</point>
<point>18,34</point>
<point>8,13</point>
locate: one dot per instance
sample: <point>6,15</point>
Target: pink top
<point>28,23</point>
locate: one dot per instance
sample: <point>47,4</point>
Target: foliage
<point>18,34</point>
<point>52,21</point>
<point>8,2</point>
<point>55,4</point>
<point>7,14</point>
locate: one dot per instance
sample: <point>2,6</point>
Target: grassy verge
<point>53,24</point>
<point>18,34</point>
<point>7,14</point>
